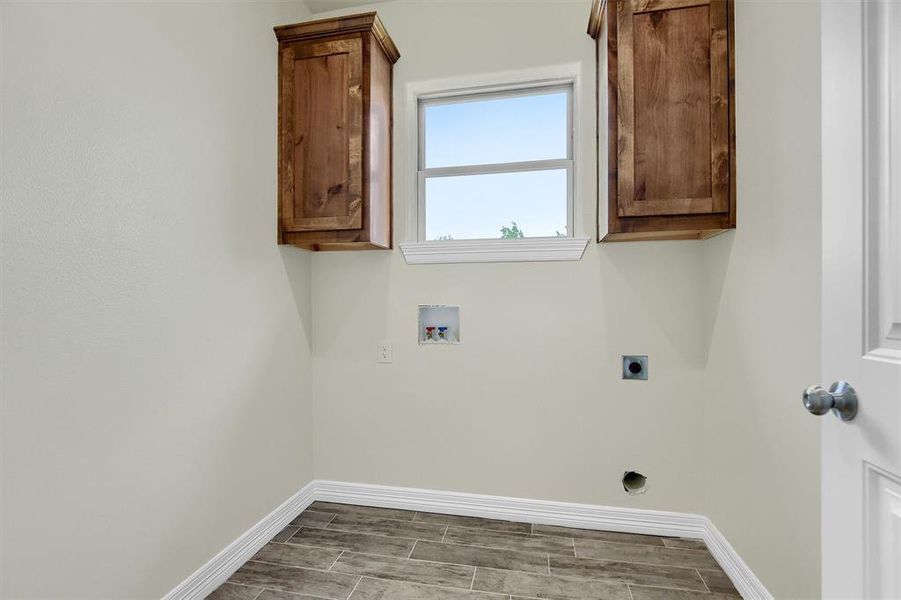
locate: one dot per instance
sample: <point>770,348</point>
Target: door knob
<point>840,398</point>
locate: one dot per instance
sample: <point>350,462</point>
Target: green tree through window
<point>512,233</point>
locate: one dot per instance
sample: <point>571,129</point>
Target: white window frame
<point>419,250</point>
<point>494,93</point>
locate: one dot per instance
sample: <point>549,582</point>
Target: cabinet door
<point>321,135</point>
<point>672,83</point>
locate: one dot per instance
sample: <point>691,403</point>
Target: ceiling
<point>319,6</point>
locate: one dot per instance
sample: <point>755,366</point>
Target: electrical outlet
<point>635,367</point>
<point>386,353</point>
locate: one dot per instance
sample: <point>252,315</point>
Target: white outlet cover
<point>386,352</point>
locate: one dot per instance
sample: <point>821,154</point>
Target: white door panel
<point>861,296</point>
<point>882,549</point>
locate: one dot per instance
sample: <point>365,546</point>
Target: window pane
<point>498,130</point>
<point>469,207</point>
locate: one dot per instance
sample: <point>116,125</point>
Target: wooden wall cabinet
<point>334,133</point>
<point>666,92</point>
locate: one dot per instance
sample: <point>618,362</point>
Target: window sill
<point>485,251</point>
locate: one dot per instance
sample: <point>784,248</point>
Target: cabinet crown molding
<point>359,23</point>
<point>595,20</point>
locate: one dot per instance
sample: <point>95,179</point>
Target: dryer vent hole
<point>634,483</point>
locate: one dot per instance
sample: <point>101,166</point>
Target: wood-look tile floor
<point>341,552</point>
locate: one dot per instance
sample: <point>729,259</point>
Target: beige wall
<point>531,404</point>
<point>762,297</point>
<point>156,360</point>
<point>158,386</point>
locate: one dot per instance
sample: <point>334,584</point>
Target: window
<point>496,164</point>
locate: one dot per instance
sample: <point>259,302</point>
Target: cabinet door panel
<point>324,141</point>
<point>673,114</point>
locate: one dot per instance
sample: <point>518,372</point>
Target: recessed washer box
<point>439,324</point>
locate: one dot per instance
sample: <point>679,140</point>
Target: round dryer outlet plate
<point>635,367</point>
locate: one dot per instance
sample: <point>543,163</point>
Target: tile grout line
<point>503,548</point>
<point>230,582</point>
<point>380,535</point>
<point>473,582</point>
<point>340,554</point>
<point>661,545</point>
<point>351,512</point>
<point>671,587</point>
<point>498,548</point>
<point>264,588</point>
<point>414,560</point>
<point>446,587</point>
<point>356,585</point>
<point>367,529</point>
<point>421,522</point>
<point>589,538</point>
<point>294,527</point>
<point>704,581</point>
<point>442,587</point>
<point>629,587</point>
<point>531,532</point>
<point>665,547</point>
<point>309,510</point>
<point>655,547</point>
<point>410,555</point>
<point>487,530</point>
<point>314,596</point>
<point>444,535</point>
<point>275,564</point>
<point>549,563</point>
<point>615,580</point>
<point>645,563</point>
<point>398,538</point>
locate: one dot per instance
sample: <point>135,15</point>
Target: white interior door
<point>861,296</point>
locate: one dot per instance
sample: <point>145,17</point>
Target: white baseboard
<point>219,568</point>
<point>739,572</point>
<point>586,516</point>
